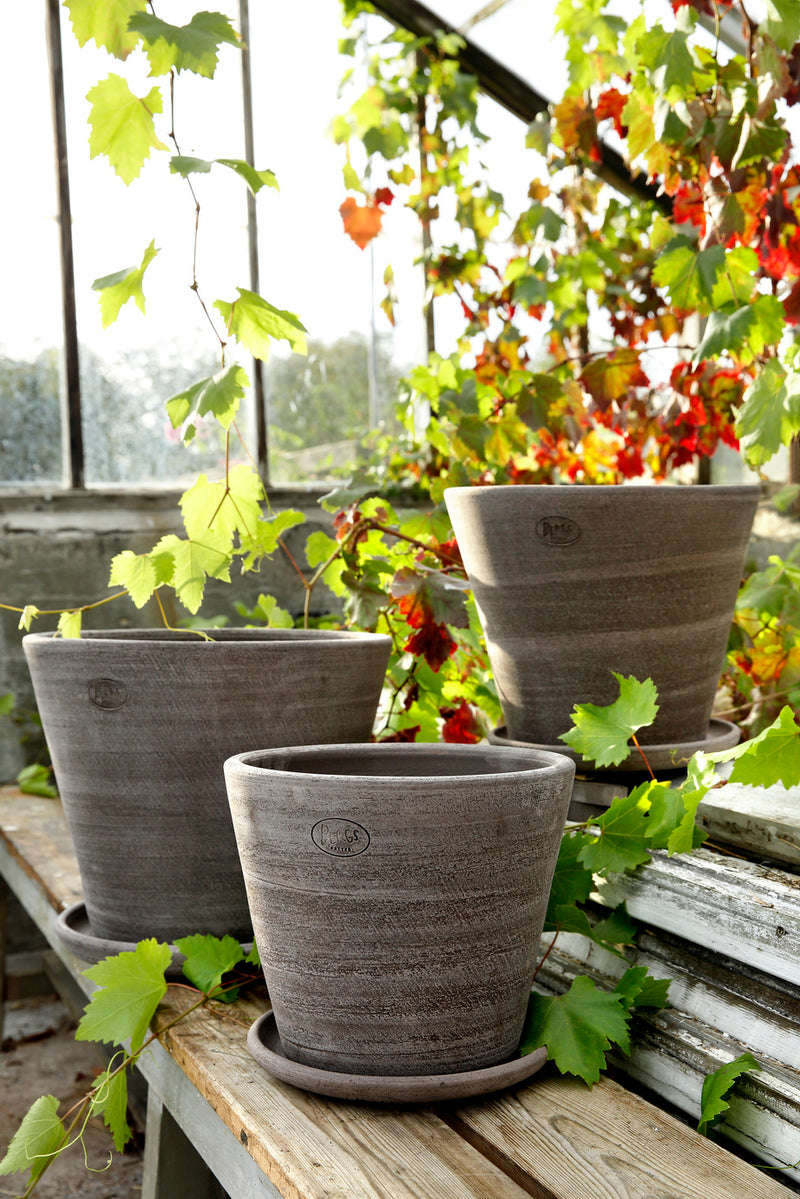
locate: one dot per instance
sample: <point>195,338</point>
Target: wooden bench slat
<point>747,911</point>
<point>607,1144</point>
<point>311,1146</point>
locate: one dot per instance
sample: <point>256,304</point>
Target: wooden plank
<point>756,1009</point>
<point>36,834</point>
<point>605,1144</point>
<point>764,821</point>
<point>748,911</point>
<point>309,1146</point>
<point>675,1049</point>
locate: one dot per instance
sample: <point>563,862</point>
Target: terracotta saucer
<point>721,734</point>
<point>75,931</point>
<point>265,1045</point>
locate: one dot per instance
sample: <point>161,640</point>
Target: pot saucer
<point>721,734</point>
<point>75,932</point>
<point>264,1043</point>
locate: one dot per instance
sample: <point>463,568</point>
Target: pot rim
<point>536,764</point>
<point>606,489</point>
<point>213,637</point>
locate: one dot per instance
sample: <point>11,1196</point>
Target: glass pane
<point>31,338</point>
<point>131,368</point>
<point>319,405</point>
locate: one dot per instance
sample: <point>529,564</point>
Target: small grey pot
<point>139,724</point>
<point>398,894</point>
<point>575,582</point>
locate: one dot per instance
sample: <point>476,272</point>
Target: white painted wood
<point>745,910</point>
<point>673,1050</point>
<point>172,1165</point>
<point>764,821</point>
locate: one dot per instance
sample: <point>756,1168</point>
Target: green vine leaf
<point>70,623</point>
<point>208,958</point>
<point>622,843</point>
<point>38,1138</point>
<point>217,396</point>
<point>602,733</point>
<point>36,780</point>
<point>136,573</point>
<point>131,985</point>
<point>638,988</point>
<point>115,290</point>
<point>111,1102</point>
<point>224,508</point>
<point>618,928</point>
<point>771,757</point>
<point>770,414</point>
<point>578,1028</point>
<point>181,165</point>
<point>193,47</point>
<point>106,22</point>
<point>255,323</point>
<point>689,275</point>
<point>27,617</point>
<point>122,125</point>
<point>717,1087</point>
<point>186,564</point>
<point>781,23</point>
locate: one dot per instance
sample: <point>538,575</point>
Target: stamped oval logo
<point>107,694</point>
<point>339,837</point>
<point>557,530</point>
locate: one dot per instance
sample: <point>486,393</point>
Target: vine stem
<point>643,756</point>
<point>130,1059</point>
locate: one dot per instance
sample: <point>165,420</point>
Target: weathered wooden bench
<point>217,1123</point>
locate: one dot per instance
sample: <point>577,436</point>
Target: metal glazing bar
<point>72,435</point>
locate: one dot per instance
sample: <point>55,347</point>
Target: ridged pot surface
<point>139,724</point>
<point>398,894</point>
<point>573,583</point>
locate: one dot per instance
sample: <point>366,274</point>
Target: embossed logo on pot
<point>557,530</point>
<point>339,837</point>
<point>107,694</point>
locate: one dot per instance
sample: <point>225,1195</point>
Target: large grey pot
<point>139,724</point>
<point>398,894</point>
<point>575,582</point>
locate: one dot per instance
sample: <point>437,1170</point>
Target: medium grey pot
<point>398,894</point>
<point>139,724</point>
<point>575,582</point>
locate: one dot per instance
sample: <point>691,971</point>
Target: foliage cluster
<point>579,1027</point>
<point>705,279</point>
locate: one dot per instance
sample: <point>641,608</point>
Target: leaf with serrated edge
<point>622,843</point>
<point>193,47</point>
<point>218,396</point>
<point>106,23</point>
<point>111,1102</point>
<point>716,1088</point>
<point>38,1137</point>
<point>255,323</point>
<point>122,125</point>
<point>70,623</point>
<point>638,988</point>
<point>131,985</point>
<point>136,573</point>
<point>254,179</point>
<point>29,614</point>
<point>572,882</point>
<point>208,958</point>
<point>192,562</point>
<point>225,510</point>
<point>115,290</point>
<point>617,929</point>
<point>601,733</point>
<point>578,1028</point>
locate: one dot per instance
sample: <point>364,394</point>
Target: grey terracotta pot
<point>575,582</point>
<point>398,894</point>
<point>139,724</point>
